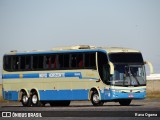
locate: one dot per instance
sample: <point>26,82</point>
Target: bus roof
<point>79,48</point>
<point>119,49</point>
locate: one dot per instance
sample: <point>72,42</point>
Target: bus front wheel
<point>26,101</point>
<point>95,99</point>
<point>125,102</point>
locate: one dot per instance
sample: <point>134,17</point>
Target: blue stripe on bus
<point>10,76</point>
<point>73,74</point>
<point>34,75</point>
<point>46,75</point>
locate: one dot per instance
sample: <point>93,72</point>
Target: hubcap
<point>25,99</point>
<point>96,98</point>
<point>34,99</point>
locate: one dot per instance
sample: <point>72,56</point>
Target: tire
<point>60,103</point>
<point>25,100</point>
<point>95,99</point>
<point>125,102</point>
<point>35,101</point>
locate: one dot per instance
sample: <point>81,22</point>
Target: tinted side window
<point>60,61</point>
<point>63,61</point>
<point>7,63</point>
<point>28,63</point>
<point>35,62</point>
<point>22,62</point>
<point>77,60</point>
<point>66,61</point>
<point>38,62</point>
<point>50,62</point>
<point>15,63</point>
<point>90,60</point>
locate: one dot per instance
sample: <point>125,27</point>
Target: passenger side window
<point>50,62</point>
<point>28,63</point>
<point>7,63</point>
<point>15,63</point>
<point>90,60</point>
<point>77,61</point>
<point>22,62</point>
<point>63,61</point>
<point>38,62</point>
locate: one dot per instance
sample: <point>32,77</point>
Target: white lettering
<point>150,115</point>
<point>19,114</point>
<point>56,75</point>
<point>15,114</point>
<point>77,74</point>
<point>43,75</point>
<point>34,115</point>
<point>135,114</point>
<point>145,115</point>
<point>139,114</point>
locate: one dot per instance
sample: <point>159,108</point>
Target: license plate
<point>130,96</point>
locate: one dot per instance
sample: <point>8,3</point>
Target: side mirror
<point>111,68</point>
<point>150,66</point>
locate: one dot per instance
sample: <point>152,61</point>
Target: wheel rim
<point>34,99</point>
<point>95,98</point>
<point>25,99</point>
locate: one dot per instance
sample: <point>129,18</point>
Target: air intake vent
<point>75,47</point>
<point>81,47</point>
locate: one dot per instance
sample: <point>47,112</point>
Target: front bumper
<point>113,94</point>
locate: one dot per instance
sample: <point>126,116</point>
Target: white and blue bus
<point>60,76</point>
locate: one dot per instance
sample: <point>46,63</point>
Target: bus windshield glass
<point>128,69</point>
<point>128,75</point>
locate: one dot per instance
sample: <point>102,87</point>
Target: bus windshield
<point>128,69</point>
<point>128,75</point>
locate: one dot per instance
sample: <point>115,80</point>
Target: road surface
<point>79,109</point>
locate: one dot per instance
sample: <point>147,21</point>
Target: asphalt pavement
<point>138,109</point>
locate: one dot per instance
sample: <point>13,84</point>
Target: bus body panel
<point>54,84</point>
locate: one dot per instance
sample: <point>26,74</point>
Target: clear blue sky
<point>44,24</point>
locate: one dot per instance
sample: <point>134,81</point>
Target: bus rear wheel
<point>34,100</point>
<point>26,101</point>
<point>125,102</point>
<point>95,99</point>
